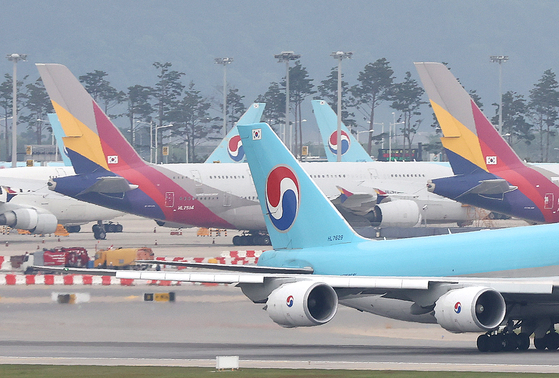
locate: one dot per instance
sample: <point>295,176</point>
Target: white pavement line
<point>266,364</point>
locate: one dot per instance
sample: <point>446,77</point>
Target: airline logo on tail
<point>282,197</point>
<point>333,142</point>
<point>235,149</point>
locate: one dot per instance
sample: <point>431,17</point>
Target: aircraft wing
<point>235,268</point>
<point>528,286</point>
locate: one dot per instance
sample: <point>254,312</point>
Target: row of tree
<point>192,117</point>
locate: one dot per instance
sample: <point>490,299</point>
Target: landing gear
<point>73,229</point>
<point>251,238</point>
<point>503,342</point>
<point>550,341</point>
<point>99,231</point>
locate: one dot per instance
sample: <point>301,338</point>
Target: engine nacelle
<point>399,213</point>
<point>471,309</point>
<point>302,304</point>
<point>29,219</point>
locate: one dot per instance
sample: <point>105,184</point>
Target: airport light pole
<point>340,55</point>
<point>224,62</point>
<point>286,56</point>
<point>156,150</point>
<point>393,124</point>
<point>500,59</point>
<point>15,58</point>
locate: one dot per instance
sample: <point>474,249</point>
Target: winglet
<point>291,202</point>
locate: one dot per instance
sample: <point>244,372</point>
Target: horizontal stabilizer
<point>110,185</point>
<point>232,268</point>
<point>492,187</point>
<point>357,203</point>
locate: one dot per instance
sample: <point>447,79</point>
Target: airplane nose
<point>430,186</point>
<point>51,184</point>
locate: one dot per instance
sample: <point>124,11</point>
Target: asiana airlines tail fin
<point>471,142</point>
<point>91,140</point>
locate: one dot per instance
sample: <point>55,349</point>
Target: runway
<point>116,327</point>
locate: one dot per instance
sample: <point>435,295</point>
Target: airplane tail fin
<point>231,150</point>
<point>471,142</point>
<point>91,138</point>
<point>59,134</point>
<point>327,122</point>
<point>297,213</point>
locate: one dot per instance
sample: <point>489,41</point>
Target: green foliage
<point>274,98</point>
<point>406,99</point>
<point>38,104</point>
<point>515,127</point>
<point>543,105</point>
<point>375,82</point>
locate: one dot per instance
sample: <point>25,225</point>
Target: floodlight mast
<point>15,58</point>
<point>500,59</point>
<point>224,62</point>
<point>286,56</point>
<point>340,55</point>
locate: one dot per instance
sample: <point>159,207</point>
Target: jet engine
<point>470,309</point>
<point>29,219</point>
<point>302,304</point>
<point>399,213</point>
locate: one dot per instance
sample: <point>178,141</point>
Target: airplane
<point>26,203</point>
<point>487,172</point>
<point>230,150</point>
<point>491,282</point>
<point>110,173</point>
<point>434,208</point>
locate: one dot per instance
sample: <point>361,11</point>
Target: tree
<point>515,126</point>
<point>300,87</point>
<point>406,98</point>
<point>328,91</point>
<point>6,103</point>
<point>191,120</point>
<point>235,106</point>
<point>167,93</point>
<point>37,101</point>
<point>375,82</point>
<point>544,101</point>
<point>274,98</point>
<point>101,90</point>
<point>139,109</point>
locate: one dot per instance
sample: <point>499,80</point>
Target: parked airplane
<point>488,173</point>
<point>435,209</point>
<point>230,150</point>
<point>470,282</point>
<point>26,203</point>
<point>110,173</point>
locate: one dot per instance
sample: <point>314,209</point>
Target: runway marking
<point>287,364</point>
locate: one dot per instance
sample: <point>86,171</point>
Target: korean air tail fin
<point>230,150</point>
<point>471,142</point>
<point>58,135</point>
<point>327,122</point>
<point>297,213</point>
<point>92,140</point>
